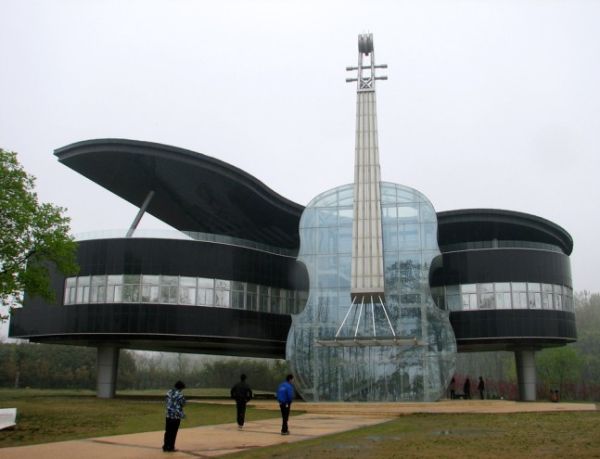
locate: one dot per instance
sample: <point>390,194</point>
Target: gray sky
<point>488,103</point>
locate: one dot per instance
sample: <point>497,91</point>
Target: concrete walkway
<point>320,419</point>
<point>196,442</point>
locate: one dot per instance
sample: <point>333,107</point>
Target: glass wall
<point>504,295</point>
<point>127,288</point>
<point>400,349</point>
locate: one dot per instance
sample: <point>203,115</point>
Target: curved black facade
<point>506,279</point>
<point>504,276</point>
<point>189,258</point>
<point>160,326</point>
<point>502,265</point>
<point>512,329</point>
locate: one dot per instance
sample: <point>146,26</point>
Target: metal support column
<point>140,214</point>
<point>107,365</point>
<point>525,360</point>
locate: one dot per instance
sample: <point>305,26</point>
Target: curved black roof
<point>193,192</point>
<point>467,225</point>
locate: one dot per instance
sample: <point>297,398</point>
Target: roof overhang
<point>192,191</point>
<point>467,225</point>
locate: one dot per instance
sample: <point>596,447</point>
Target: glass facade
<point>193,291</point>
<point>403,349</point>
<point>504,295</point>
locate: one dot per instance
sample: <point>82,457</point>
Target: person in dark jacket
<point>481,388</point>
<point>285,397</point>
<point>175,401</point>
<point>452,388</point>
<point>467,388</point>
<point>242,394</point>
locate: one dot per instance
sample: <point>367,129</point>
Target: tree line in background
<point>46,366</point>
<point>573,370</point>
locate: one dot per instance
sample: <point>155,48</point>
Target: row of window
<point>134,288</point>
<point>504,295</point>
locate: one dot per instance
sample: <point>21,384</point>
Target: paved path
<point>320,419</point>
<point>196,442</point>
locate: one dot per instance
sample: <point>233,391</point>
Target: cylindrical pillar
<point>106,378</point>
<point>525,360</point>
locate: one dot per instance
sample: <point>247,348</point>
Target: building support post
<point>525,360</point>
<point>107,365</point>
<point>140,214</point>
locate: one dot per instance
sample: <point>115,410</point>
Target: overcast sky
<point>491,104</point>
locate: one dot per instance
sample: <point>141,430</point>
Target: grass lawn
<point>55,415</point>
<point>540,435</point>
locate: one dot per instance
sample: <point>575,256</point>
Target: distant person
<point>175,401</point>
<point>285,397</point>
<point>452,388</point>
<point>467,389</point>
<point>481,388</point>
<point>242,394</point>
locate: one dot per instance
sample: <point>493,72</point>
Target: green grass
<point>55,415</point>
<point>529,435</point>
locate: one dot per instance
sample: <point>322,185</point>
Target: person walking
<point>452,388</point>
<point>175,401</point>
<point>467,389</point>
<point>242,394</point>
<point>285,396</point>
<point>481,388</point>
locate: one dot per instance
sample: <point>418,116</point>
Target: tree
<point>33,235</point>
<point>558,366</point>
<point>587,316</point>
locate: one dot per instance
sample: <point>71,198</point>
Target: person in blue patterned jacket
<point>175,401</point>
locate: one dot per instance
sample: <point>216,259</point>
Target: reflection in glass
<point>505,295</point>
<point>329,364</point>
<point>182,290</point>
<point>187,290</point>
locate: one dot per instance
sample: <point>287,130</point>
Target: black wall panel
<point>501,265</point>
<point>190,258</point>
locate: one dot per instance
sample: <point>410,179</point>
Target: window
<point>263,299</point>
<point>70,290</point>
<point>114,288</point>
<point>502,290</point>
<point>150,288</point>
<point>251,297</point>
<point>131,288</point>
<point>485,296</point>
<point>547,301</point>
<point>98,289</point>
<point>222,293</point>
<point>187,290</point>
<point>275,300</point>
<point>558,297</point>
<point>534,295</point>
<point>519,295</point>
<point>168,289</point>
<point>238,295</point>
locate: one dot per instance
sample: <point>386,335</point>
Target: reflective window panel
<point>399,348</point>
<point>182,290</point>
